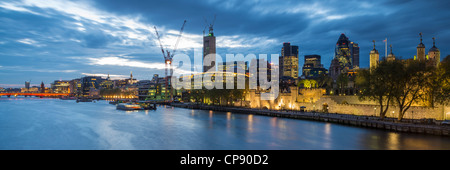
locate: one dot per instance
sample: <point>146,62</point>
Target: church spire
<point>131,75</point>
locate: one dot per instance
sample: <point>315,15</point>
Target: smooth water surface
<point>34,123</point>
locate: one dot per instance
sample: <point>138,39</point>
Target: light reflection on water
<point>393,139</point>
<point>33,123</point>
<point>250,123</point>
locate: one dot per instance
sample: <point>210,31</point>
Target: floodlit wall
<point>314,99</point>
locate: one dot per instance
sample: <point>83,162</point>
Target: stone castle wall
<point>414,112</point>
<point>314,99</point>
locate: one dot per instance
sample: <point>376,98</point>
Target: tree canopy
<point>403,83</point>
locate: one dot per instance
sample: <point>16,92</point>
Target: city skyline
<point>44,41</point>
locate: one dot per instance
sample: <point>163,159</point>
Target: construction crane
<point>210,25</point>
<point>168,56</point>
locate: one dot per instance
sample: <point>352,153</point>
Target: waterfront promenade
<point>421,126</point>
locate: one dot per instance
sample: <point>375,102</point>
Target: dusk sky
<point>47,40</point>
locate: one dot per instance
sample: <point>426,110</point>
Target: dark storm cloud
<point>20,25</point>
<point>98,39</point>
<point>24,36</point>
<point>60,35</point>
<point>234,18</point>
<point>403,25</point>
<point>400,22</point>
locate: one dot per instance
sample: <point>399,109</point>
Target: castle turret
<point>434,55</point>
<point>421,50</point>
<point>391,56</point>
<point>374,57</point>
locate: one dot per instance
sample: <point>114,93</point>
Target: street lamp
<point>375,111</point>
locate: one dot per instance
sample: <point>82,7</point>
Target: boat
<point>68,98</point>
<point>84,100</point>
<point>129,106</point>
<point>148,106</point>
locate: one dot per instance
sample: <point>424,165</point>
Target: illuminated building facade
<point>235,65</point>
<point>143,89</point>
<point>346,57</point>
<point>421,50</point>
<point>157,91</point>
<point>255,63</point>
<point>342,52</point>
<point>434,55</point>
<point>312,67</point>
<point>60,86</point>
<point>354,50</point>
<point>90,83</point>
<point>75,87</point>
<point>288,61</point>
<point>107,84</point>
<point>374,57</point>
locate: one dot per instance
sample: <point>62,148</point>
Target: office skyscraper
<point>312,67</point>
<point>346,56</point>
<point>354,50</point>
<point>27,85</point>
<point>288,61</point>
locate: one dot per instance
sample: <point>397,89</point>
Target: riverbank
<point>414,126</point>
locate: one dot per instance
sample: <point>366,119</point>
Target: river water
<point>35,124</point>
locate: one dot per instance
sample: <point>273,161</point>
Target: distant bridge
<point>34,94</point>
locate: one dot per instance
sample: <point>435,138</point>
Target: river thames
<point>54,124</point>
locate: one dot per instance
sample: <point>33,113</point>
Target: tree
<point>224,95</point>
<point>438,84</point>
<point>377,85</point>
<point>444,96</point>
<point>211,94</point>
<point>342,82</point>
<point>408,85</point>
<point>433,86</point>
<point>236,93</point>
<point>196,95</point>
<point>324,81</point>
<point>306,83</point>
<point>403,83</point>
